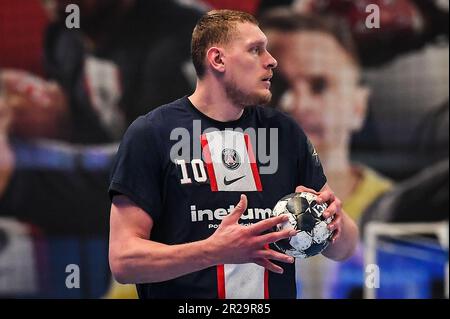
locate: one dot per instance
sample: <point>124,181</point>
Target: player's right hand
<point>233,243</point>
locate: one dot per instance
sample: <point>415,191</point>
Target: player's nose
<point>272,63</point>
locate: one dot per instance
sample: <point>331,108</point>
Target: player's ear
<point>214,57</point>
<point>362,94</point>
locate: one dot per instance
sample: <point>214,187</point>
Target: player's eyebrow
<point>257,43</point>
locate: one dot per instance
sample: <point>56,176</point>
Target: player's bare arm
<point>345,237</point>
<point>136,259</point>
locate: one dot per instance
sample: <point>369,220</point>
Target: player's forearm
<point>345,244</point>
<point>147,261</point>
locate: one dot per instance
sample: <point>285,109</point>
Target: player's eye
<point>318,85</point>
<point>255,50</point>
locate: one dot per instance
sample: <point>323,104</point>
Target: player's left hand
<point>334,209</point>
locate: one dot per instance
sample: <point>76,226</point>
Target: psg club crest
<point>230,162</point>
<point>230,158</point>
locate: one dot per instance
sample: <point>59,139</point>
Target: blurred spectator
<point>39,108</point>
<point>59,190</point>
<point>127,57</point>
<point>321,88</point>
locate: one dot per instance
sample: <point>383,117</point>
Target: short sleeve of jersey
<point>136,172</point>
<point>311,171</point>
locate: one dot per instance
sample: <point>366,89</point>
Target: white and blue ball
<point>306,217</point>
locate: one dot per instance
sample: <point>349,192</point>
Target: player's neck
<point>211,100</point>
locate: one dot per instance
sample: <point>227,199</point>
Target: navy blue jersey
<point>187,172</point>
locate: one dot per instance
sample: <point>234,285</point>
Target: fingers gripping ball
<point>305,216</point>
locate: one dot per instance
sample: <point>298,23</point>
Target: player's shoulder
<point>165,114</point>
<point>158,118</point>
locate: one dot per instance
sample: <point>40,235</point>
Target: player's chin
<point>265,97</point>
<point>260,97</point>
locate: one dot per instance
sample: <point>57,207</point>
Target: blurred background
<point>367,80</point>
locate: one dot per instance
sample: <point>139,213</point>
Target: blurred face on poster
<point>324,95</point>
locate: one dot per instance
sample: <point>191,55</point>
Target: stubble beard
<point>243,99</point>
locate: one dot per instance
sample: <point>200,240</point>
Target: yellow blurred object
<point>371,186</point>
<point>119,291</point>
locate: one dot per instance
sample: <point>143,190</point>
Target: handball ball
<point>305,216</point>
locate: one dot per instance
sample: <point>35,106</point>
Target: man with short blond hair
<point>175,229</point>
